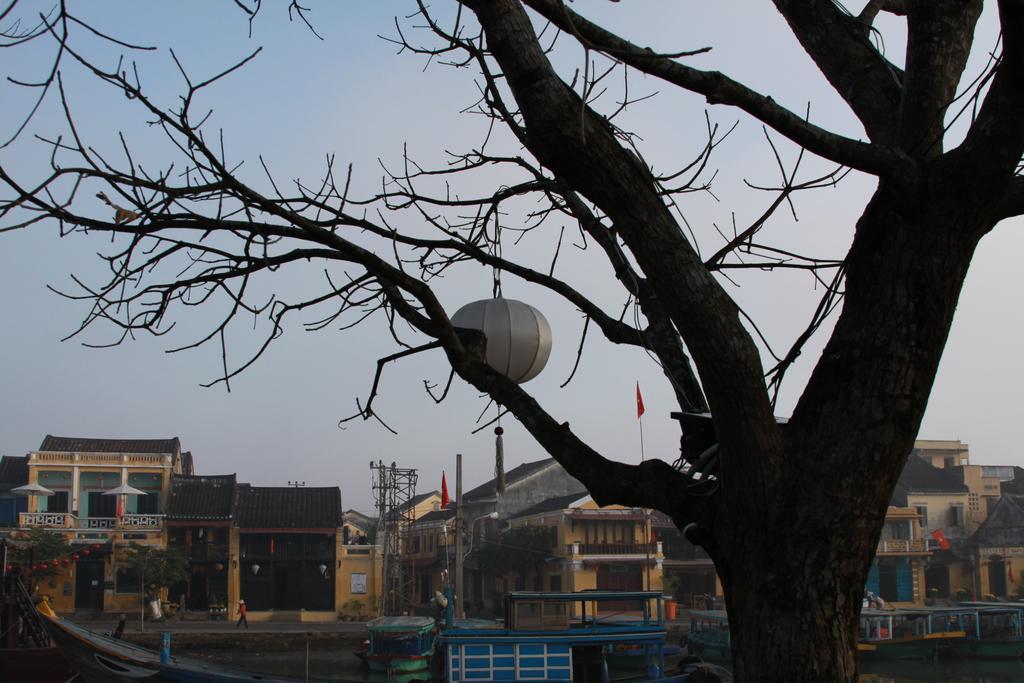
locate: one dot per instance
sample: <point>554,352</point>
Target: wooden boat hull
<point>709,647</point>
<point>989,648</point>
<point>99,659</point>
<point>400,664</point>
<point>925,648</point>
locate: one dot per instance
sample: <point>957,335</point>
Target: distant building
<point>609,547</point>
<point>999,547</point>
<point>200,517</point>
<point>80,472</point>
<point>13,473</point>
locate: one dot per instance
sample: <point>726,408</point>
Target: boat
<point>709,636</point>
<point>557,636</point>
<point>994,631</point>
<point>102,659</point>
<point>923,634</point>
<point>26,653</point>
<point>400,644</point>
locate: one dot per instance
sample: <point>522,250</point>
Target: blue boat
<point>557,637</point>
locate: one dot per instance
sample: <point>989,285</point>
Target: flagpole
<point>641,437</point>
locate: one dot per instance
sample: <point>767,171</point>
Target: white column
<point>74,488</point>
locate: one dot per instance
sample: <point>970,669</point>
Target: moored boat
<point>709,635</point>
<point>100,659</point>
<point>994,631</point>
<point>923,634</point>
<point>557,637</point>
<point>399,644</point>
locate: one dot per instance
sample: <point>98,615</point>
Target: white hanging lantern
<point>518,335</point>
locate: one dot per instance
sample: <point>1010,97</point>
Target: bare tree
<point>790,513</point>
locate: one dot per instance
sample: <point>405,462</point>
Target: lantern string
<point>499,457</point>
<point>496,253</point>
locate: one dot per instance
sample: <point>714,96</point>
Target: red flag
<point>271,545</point>
<point>1009,572</point>
<point>941,538</point>
<point>445,500</point>
<point>120,507</point>
<point>639,402</point>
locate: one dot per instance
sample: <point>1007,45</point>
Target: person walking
<point>241,615</point>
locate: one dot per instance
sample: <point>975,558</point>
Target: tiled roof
<point>919,476</point>
<point>358,519</point>
<point>1004,526</point>
<point>552,504</point>
<point>488,490</point>
<point>207,497</point>
<point>1015,485</point>
<point>79,445</point>
<point>416,500</point>
<point>289,507</point>
<point>14,470</point>
<point>437,515</point>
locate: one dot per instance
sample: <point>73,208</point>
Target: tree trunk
<point>794,574</point>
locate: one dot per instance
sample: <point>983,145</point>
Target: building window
<point>923,511</point>
<point>148,504</point>
<point>58,502</point>
<point>416,544</point>
<point>956,515</point>
<point>101,505</point>
<point>555,581</point>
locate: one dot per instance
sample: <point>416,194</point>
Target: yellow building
<point>591,547</point>
<point>431,554</point>
<point>999,548</point>
<point>80,473</point>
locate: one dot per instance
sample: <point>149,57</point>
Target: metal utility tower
<point>394,488</point>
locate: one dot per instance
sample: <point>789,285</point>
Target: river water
<point>336,666</point>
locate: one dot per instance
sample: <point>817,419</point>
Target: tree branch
<point>720,89</point>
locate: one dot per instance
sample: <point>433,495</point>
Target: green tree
<point>520,550</point>
<point>158,568</point>
<point>791,512</point>
<point>38,547</point>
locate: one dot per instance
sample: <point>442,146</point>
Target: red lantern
<point>7,568</point>
<point>64,561</point>
<point>75,557</point>
<point>96,546</point>
<point>86,551</point>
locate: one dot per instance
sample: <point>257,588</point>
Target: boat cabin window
<point>540,615</point>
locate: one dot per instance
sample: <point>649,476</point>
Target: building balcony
<point>66,520</point>
<point>653,548</point>
<point>904,546</point>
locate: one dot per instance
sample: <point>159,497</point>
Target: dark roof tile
<point>437,515</point>
<point>552,504</point>
<point>489,490</point>
<point>14,470</point>
<point>919,476</point>
<point>202,498</point>
<point>289,507</point>
<point>80,445</point>
<point>1004,526</point>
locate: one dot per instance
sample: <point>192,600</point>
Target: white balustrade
<point>136,521</point>
<point>98,523</point>
<point>47,519</point>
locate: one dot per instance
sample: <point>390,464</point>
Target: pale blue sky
<point>353,96</point>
